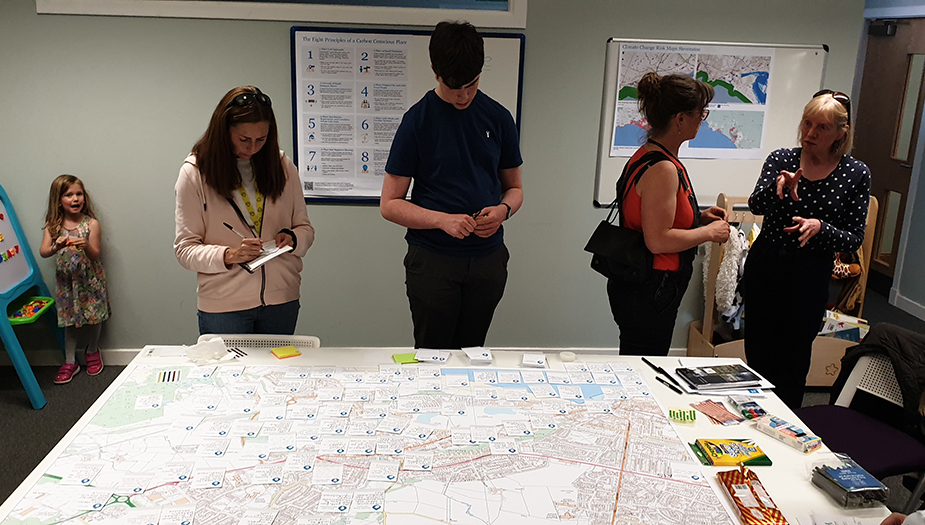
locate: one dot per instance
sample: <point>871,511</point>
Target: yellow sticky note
<point>403,359</point>
<point>286,351</point>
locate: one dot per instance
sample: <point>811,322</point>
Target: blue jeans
<point>270,319</point>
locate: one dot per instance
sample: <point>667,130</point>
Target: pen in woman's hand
<point>233,230</point>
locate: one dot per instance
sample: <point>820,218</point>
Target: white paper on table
<point>327,473</point>
<point>334,501</point>
<point>207,478</point>
<point>383,470</point>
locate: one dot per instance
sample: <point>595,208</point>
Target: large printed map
<point>740,79</point>
<point>402,444</point>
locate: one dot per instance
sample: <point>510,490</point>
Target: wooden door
<point>889,109</point>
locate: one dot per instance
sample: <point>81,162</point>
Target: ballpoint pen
<point>669,385</point>
<point>662,371</point>
<point>236,232</point>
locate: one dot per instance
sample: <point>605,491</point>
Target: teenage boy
<point>462,150</point>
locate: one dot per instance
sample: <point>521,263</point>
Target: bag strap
<point>624,184</point>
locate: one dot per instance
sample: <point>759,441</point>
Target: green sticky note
<point>404,359</point>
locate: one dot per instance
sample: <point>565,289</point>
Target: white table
<point>787,481</point>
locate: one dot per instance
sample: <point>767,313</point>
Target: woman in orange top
<point>661,204</point>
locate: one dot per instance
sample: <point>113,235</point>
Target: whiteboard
<point>14,267</point>
<point>351,65</point>
<point>796,74</point>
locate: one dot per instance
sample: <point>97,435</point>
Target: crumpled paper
<point>209,351</point>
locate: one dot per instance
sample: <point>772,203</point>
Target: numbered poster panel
<point>352,93</point>
<point>735,125</point>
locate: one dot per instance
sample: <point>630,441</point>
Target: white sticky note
<point>362,447</point>
<point>212,448</point>
<point>389,446</point>
<point>81,473</point>
<point>179,471</point>
<point>581,378</point>
<point>368,501</point>
<point>533,376</point>
<point>149,402</point>
<point>517,428</point>
<point>570,392</point>
<point>503,446</point>
<point>462,438</point>
<point>134,483</point>
<point>362,427</point>
<point>327,473</point>
<point>485,376</point>
<point>456,380</point>
<point>302,411</point>
<point>558,377</point>
<point>393,424</point>
<point>543,391</point>
<point>335,426</point>
<point>254,450</point>
<point>333,446</point>
<point>509,377</point>
<point>330,394</point>
<point>282,442</point>
<point>483,434</point>
<point>92,499</point>
<point>418,431</point>
<point>177,515</point>
<point>258,517</point>
<point>267,474</point>
<point>207,477</point>
<point>271,428</point>
<point>359,394</point>
<point>300,462</point>
<point>243,388</point>
<point>376,410</point>
<point>383,470</point>
<point>418,461</point>
<point>386,394</point>
<point>534,360</point>
<point>272,413</point>
<point>518,394</point>
<point>334,501</point>
<point>245,428</point>
<point>335,409</point>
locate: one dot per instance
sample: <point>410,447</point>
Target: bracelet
<point>509,211</point>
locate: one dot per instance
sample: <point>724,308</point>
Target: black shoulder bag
<point>619,252</point>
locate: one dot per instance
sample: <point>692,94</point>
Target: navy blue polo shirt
<point>454,156</point>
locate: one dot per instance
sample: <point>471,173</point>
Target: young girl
<point>73,233</point>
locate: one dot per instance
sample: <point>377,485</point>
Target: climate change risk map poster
<point>416,445</point>
<point>740,77</point>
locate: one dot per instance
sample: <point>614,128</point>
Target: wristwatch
<point>508,206</point>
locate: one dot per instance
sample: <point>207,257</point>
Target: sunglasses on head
<point>839,97</point>
<point>246,99</point>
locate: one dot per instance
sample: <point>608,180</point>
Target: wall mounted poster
<point>740,77</point>
<point>353,91</point>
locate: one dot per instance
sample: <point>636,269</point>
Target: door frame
<point>896,299</point>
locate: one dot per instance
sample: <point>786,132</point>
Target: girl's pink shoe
<point>94,363</point>
<point>66,373</point>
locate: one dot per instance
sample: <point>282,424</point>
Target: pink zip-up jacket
<point>202,239</point>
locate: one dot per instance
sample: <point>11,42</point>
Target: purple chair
<point>882,450</point>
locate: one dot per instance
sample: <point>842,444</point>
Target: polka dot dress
<point>839,201</point>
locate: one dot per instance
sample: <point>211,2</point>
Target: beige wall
<point>119,101</point>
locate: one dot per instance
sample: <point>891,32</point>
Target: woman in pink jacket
<point>238,194</point>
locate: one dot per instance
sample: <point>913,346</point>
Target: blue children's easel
<point>19,274</point>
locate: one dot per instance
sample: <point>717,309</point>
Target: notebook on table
<point>718,377</point>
